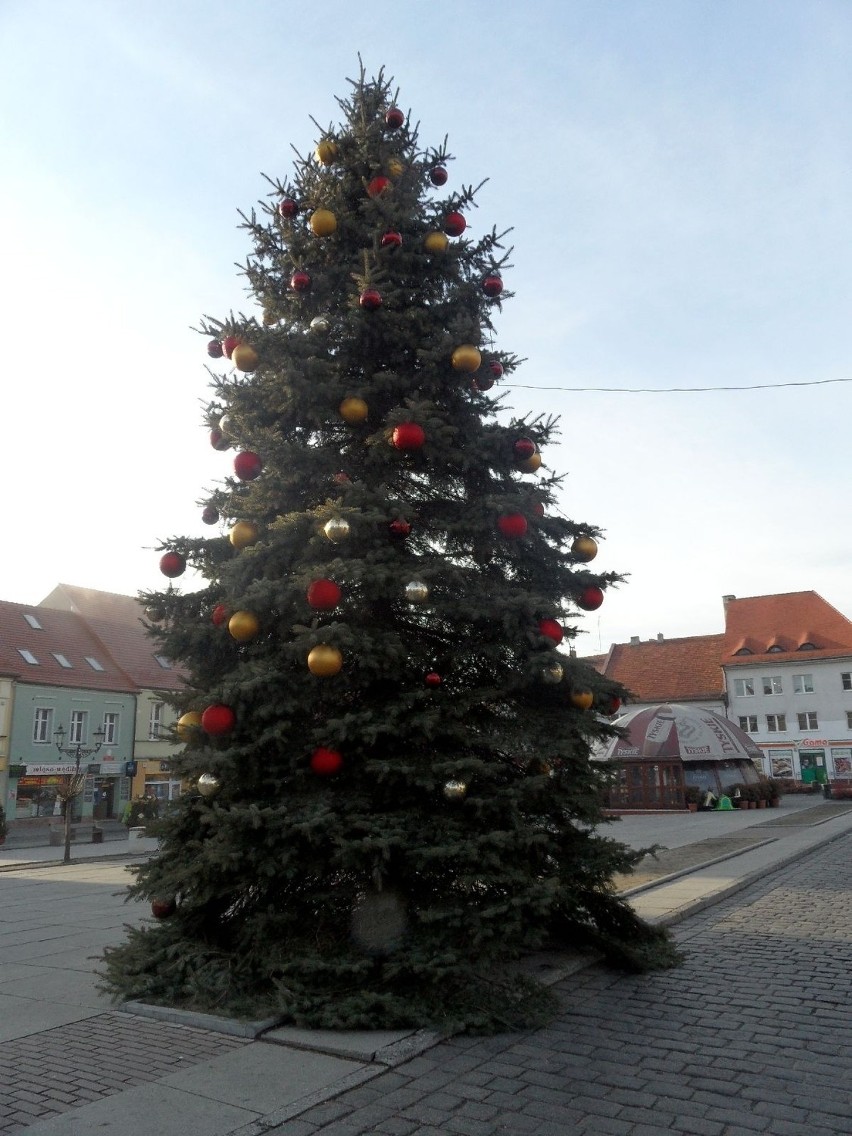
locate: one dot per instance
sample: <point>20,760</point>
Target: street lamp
<point>74,782</point>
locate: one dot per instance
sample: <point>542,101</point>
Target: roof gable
<point>783,624</point>
<point>662,670</point>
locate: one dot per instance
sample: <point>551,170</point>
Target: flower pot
<point>693,808</point>
<point>775,802</point>
<point>761,804</point>
<point>752,804</point>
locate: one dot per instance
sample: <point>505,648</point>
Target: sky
<point>676,174</point>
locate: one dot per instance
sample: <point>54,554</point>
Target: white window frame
<point>846,680</point>
<point>772,685</point>
<point>112,720</point>
<point>744,687</point>
<point>748,722</point>
<point>155,721</point>
<point>808,721</point>
<point>776,723</point>
<point>43,725</point>
<point>803,684</point>
<point>79,731</point>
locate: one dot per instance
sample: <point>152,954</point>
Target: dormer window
<point>32,620</point>
<point>775,649</point>
<point>93,663</point>
<point>743,651</point>
<point>164,662</point>
<point>806,647</point>
<point>60,658</point>
<point>28,657</point>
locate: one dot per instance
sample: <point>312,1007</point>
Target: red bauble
<point>215,349</point>
<point>524,448</point>
<point>323,595</point>
<point>218,440</point>
<point>513,525</point>
<point>287,207</point>
<point>341,478</point>
<point>326,762</point>
<point>210,515</point>
<point>454,224</point>
<point>482,382</point>
<point>172,564</point>
<point>496,368</point>
<point>394,118</point>
<point>229,343</point>
<point>378,185</point>
<point>492,286</point>
<point>370,299</point>
<point>538,509</point>
<point>591,598</point>
<point>551,630</point>
<point>219,615</point>
<point>391,239</point>
<point>432,679</point>
<point>610,706</point>
<point>408,436</point>
<point>163,908</point>
<point>218,720</point>
<point>300,281</point>
<point>399,528</point>
<point>438,175</point>
<point>247,465</point>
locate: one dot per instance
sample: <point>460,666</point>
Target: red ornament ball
<point>482,382</point>
<point>432,679</point>
<point>341,478</point>
<point>591,598</point>
<point>300,281</point>
<point>378,185</point>
<point>218,720</point>
<point>399,528</point>
<point>326,762</point>
<point>229,343</point>
<point>492,286</point>
<point>210,515</point>
<point>215,349</point>
<point>288,208</point>
<point>219,615</point>
<point>394,118</point>
<point>247,465</point>
<point>370,299</point>
<point>513,525</point>
<point>610,706</point>
<point>551,630</point>
<point>163,908</point>
<point>538,509</point>
<point>219,440</point>
<point>454,224</point>
<point>496,368</point>
<point>438,175</point>
<point>172,564</point>
<point>524,448</point>
<point>391,239</point>
<point>408,436</point>
<point>323,594</point>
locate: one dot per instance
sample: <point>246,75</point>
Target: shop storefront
<point>34,794</point>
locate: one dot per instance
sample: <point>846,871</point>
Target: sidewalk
<point>163,1073</point>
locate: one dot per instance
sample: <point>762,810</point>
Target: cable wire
<point>677,390</point>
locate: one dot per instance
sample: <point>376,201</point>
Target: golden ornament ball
<point>436,242</point>
<point>455,790</point>
<point>584,549</point>
<point>323,223</point>
<point>466,358</point>
<point>530,464</point>
<point>582,699</point>
<point>209,785</point>
<point>243,534</point>
<point>324,660</point>
<point>416,592</point>
<point>320,325</point>
<point>244,357</point>
<point>326,152</point>
<point>337,529</point>
<point>353,410</point>
<point>243,626</point>
<point>188,725</point>
<point>395,168</point>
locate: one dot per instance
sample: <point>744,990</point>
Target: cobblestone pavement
<point>753,1034</point>
<point>74,1064</point>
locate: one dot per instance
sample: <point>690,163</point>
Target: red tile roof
<point>666,670</point>
<point>758,623</point>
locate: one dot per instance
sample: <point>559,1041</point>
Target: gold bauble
<point>244,357</point>
<point>188,725</point>
<point>243,626</point>
<point>395,167</point>
<point>337,529</point>
<point>324,660</point>
<point>436,242</point>
<point>320,325</point>
<point>467,358</point>
<point>582,699</point>
<point>353,410</point>
<point>530,464</point>
<point>243,534</point>
<point>416,592</point>
<point>584,549</point>
<point>323,223</point>
<point>455,790</point>
<point>209,785</point>
<point>326,152</point>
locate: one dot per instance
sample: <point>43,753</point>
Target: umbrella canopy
<point>685,732</point>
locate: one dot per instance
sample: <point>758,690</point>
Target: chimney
<point>726,600</point>
<point>659,637</point>
<point>634,640</point>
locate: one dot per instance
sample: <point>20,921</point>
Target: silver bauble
<point>209,785</point>
<point>226,425</point>
<point>337,529</point>
<point>455,790</point>
<point>552,672</point>
<point>416,592</point>
<point>320,325</point>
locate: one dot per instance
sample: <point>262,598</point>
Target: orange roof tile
<point>666,670</point>
<point>784,622</point>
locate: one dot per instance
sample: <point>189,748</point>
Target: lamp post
<point>74,781</point>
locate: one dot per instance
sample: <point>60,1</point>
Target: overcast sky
<point>677,174</point>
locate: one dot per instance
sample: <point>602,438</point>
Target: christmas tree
<point>392,795</point>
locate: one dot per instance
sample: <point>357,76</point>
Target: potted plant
<point>692,795</point>
<point>4,828</point>
<point>738,800</point>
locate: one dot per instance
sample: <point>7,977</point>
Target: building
<point>686,671</point>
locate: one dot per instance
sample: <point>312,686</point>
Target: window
<point>155,721</point>
<point>803,684</point>
<point>846,680</point>
<point>42,725</point>
<point>32,620</point>
<point>744,687</point>
<point>775,649</point>
<point>77,734</point>
<point>806,647</point>
<point>60,658</point>
<point>28,657</point>
<point>808,720</point>
<point>744,651</point>
<point>111,729</point>
<point>849,719</point>
<point>164,662</point>
<point>776,723</point>
<point>772,685</point>
<point>93,663</point>
<point>749,723</point>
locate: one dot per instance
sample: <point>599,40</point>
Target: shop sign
<point>50,770</point>
<point>812,743</point>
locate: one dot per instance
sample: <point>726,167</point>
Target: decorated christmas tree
<point>390,798</point>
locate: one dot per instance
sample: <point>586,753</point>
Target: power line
<point>677,390</point>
